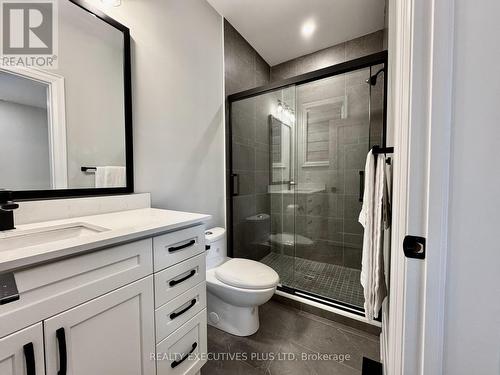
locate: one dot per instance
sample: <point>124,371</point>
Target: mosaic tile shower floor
<point>328,280</point>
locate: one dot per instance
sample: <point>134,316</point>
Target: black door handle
<point>179,313</point>
<point>236,184</point>
<point>414,247</point>
<point>177,248</point>
<point>175,282</point>
<point>361,185</point>
<point>29,357</point>
<point>174,364</point>
<point>63,358</point>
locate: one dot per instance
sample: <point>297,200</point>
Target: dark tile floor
<point>294,338</point>
<point>328,280</point>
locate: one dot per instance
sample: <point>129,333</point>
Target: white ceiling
<point>273,27</point>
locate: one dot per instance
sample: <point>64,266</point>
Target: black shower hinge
<point>414,247</point>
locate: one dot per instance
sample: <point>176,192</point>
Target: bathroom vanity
<point>101,285</point>
<point>113,293</point>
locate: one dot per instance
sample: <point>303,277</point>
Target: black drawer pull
<point>173,249</point>
<point>175,282</point>
<point>176,314</point>
<point>29,357</point>
<point>174,364</point>
<point>63,359</point>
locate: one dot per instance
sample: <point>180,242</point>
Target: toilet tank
<point>215,240</point>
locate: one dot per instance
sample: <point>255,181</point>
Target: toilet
<point>235,287</point>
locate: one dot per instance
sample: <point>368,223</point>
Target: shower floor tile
<point>328,280</point>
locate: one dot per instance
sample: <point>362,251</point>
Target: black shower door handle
<point>236,184</point>
<point>361,185</point>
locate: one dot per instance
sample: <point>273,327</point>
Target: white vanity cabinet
<point>21,353</point>
<point>112,334</point>
<point>180,301</point>
<point>137,308</point>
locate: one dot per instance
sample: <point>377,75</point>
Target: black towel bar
<point>376,150</point>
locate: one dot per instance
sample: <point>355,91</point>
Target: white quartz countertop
<point>120,227</point>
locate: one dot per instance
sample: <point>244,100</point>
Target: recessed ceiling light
<point>308,28</point>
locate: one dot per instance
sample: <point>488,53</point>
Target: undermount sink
<point>44,235</point>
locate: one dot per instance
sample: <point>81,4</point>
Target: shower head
<point>373,79</point>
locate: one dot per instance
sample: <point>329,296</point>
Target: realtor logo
<point>29,31</point>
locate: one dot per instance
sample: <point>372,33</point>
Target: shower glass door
<point>261,177</point>
<point>333,138</point>
<point>298,157</point>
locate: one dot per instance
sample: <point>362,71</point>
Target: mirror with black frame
<point>281,151</point>
<point>67,130</point>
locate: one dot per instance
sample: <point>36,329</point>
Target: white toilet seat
<point>235,309</point>
<point>232,309</point>
<point>246,274</point>
<point>235,287</point>
<point>249,295</point>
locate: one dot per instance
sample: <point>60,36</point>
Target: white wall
<point>24,160</point>
<point>472,328</point>
<point>91,60</point>
<point>177,82</point>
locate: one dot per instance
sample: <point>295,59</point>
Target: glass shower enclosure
<point>296,158</point>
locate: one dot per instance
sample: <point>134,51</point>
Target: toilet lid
<point>247,274</point>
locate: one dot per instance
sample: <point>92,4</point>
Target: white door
<point>22,352</point>
<point>420,112</point>
<point>111,335</point>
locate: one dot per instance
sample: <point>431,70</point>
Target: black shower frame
<point>334,70</point>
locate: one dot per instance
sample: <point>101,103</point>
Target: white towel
<point>108,177</point>
<point>366,219</point>
<point>371,217</point>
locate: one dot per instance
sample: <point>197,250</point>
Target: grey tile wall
<point>350,50</point>
<point>251,164</point>
<point>330,219</point>
<point>246,69</point>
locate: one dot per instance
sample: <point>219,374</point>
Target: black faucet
<point>6,210</point>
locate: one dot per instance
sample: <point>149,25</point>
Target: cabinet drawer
<point>50,288</point>
<point>184,351</point>
<point>172,248</point>
<point>178,279</point>
<point>175,313</point>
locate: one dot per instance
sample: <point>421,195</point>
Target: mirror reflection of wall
<point>24,159</point>
<point>94,88</point>
<point>54,122</point>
